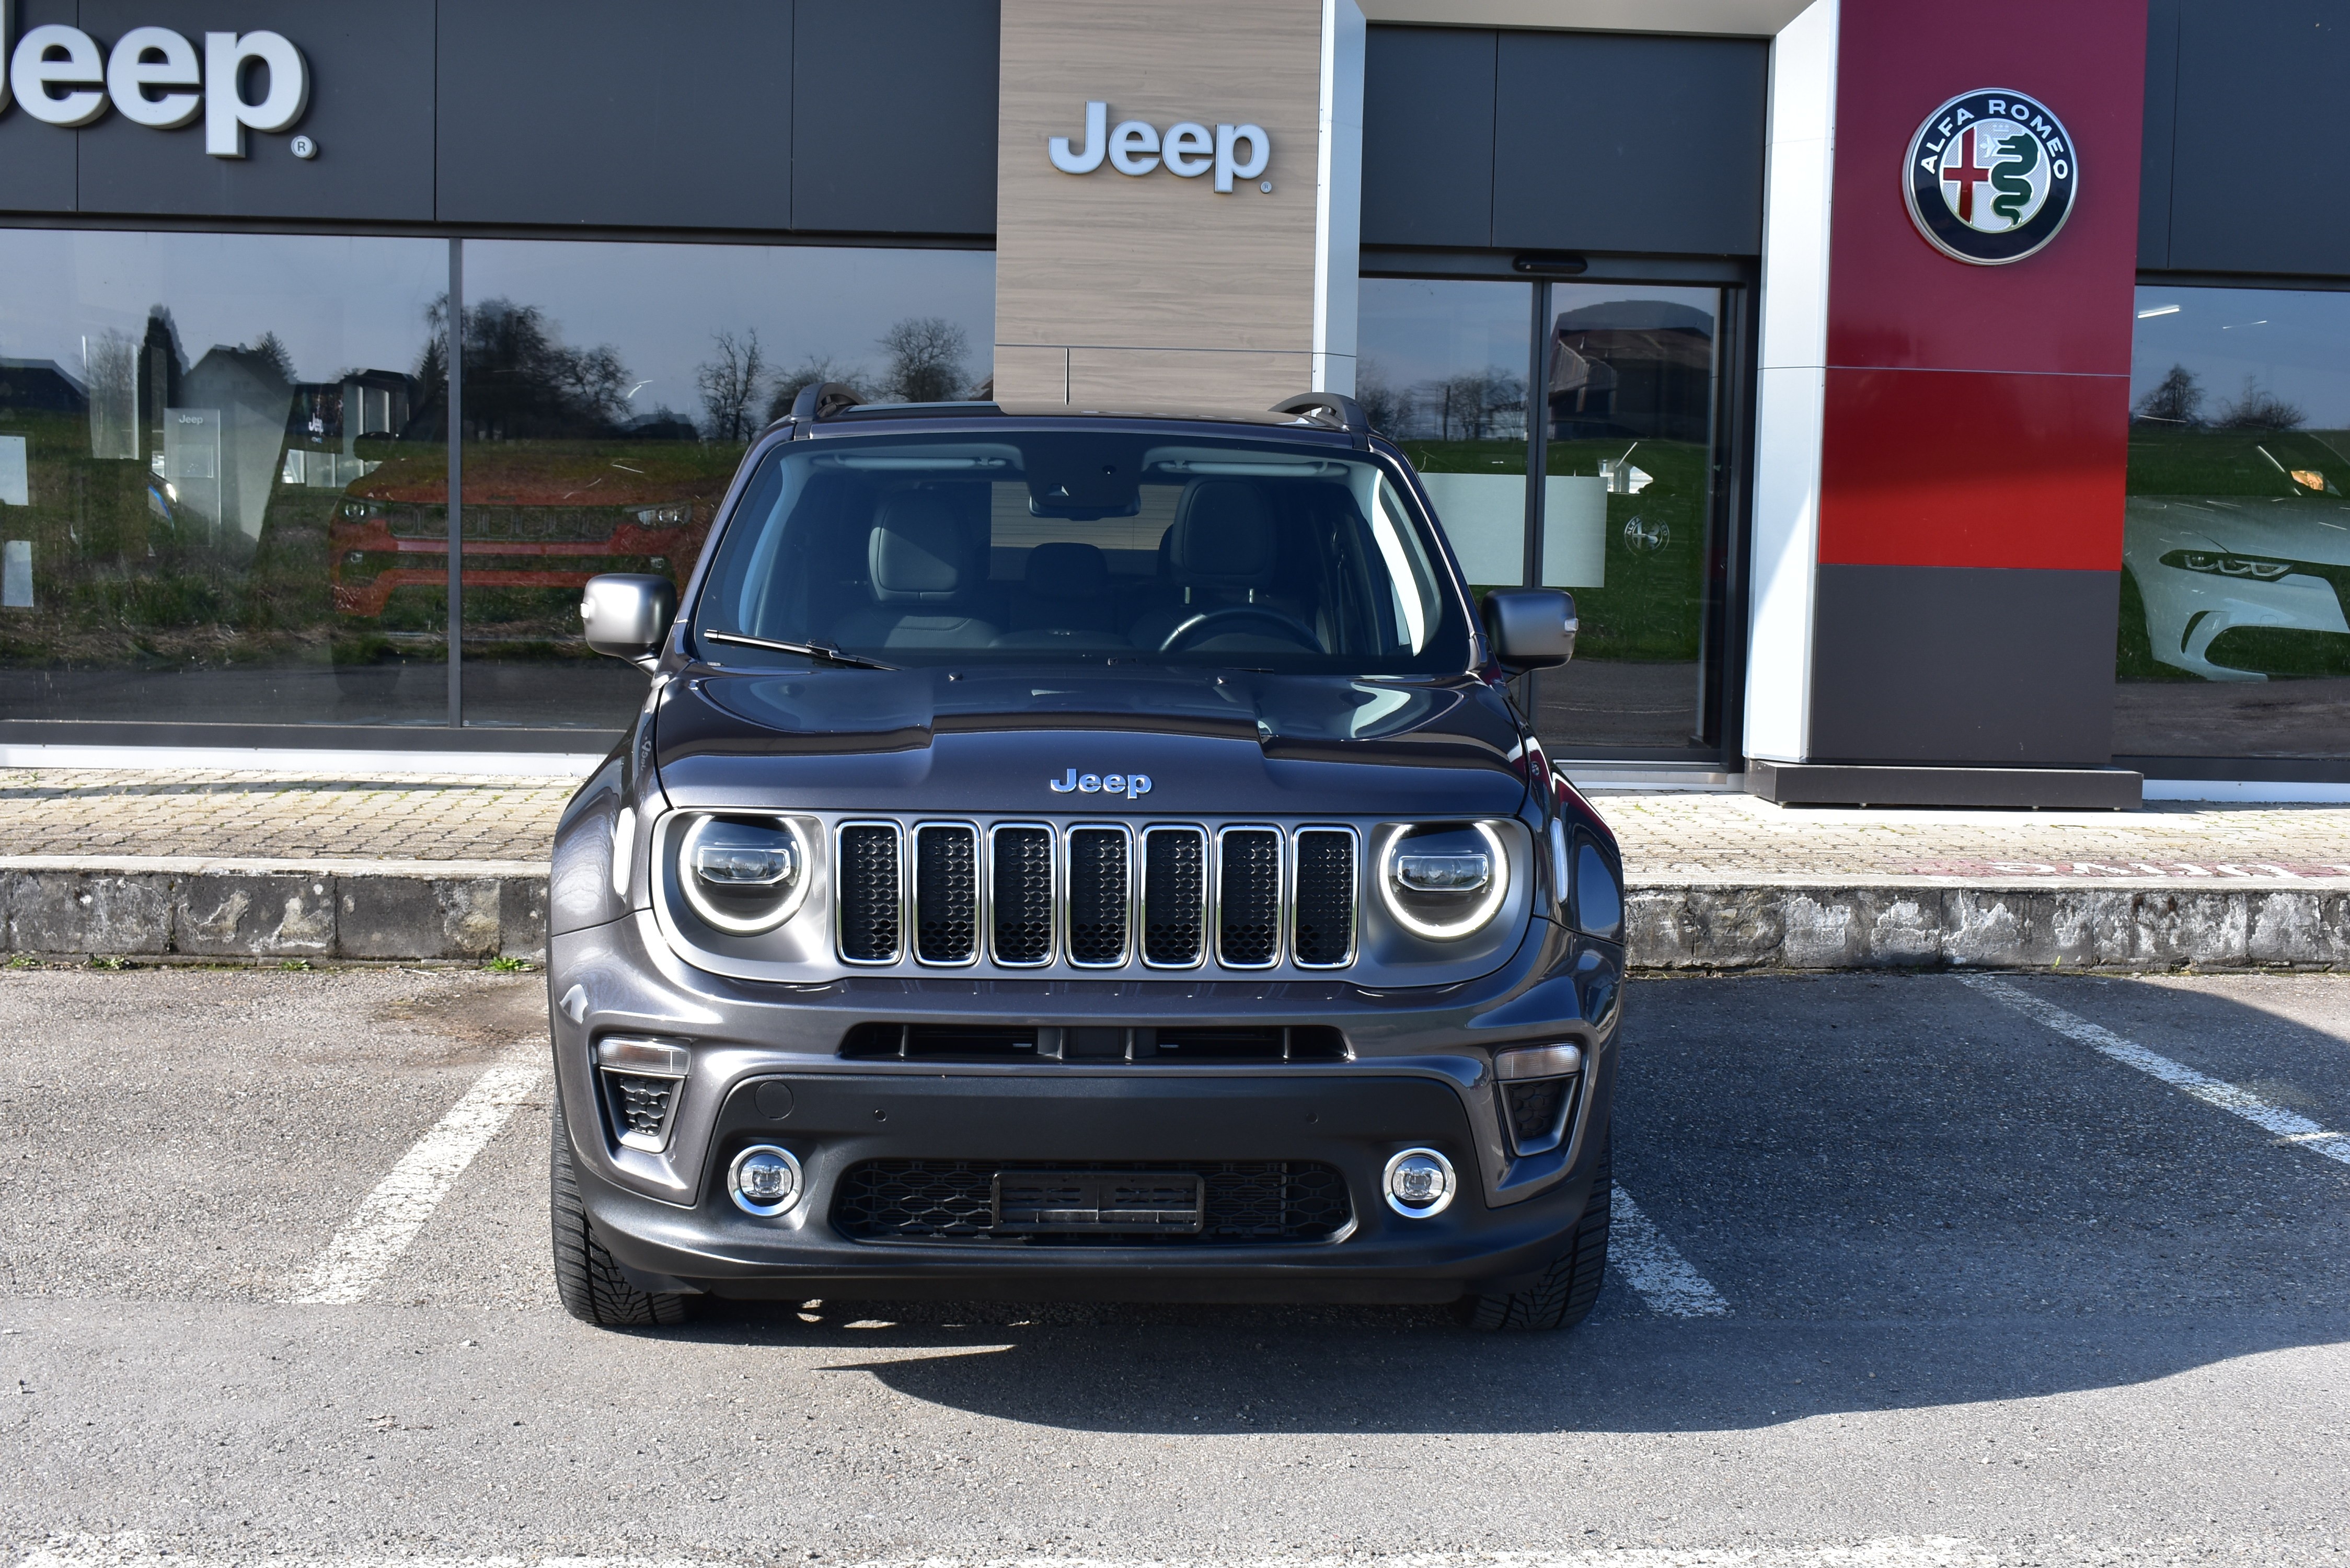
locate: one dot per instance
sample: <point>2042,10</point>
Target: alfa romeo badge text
<point>1990,177</point>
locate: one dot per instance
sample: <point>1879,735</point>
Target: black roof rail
<point>824,399</point>
<point>1350,415</point>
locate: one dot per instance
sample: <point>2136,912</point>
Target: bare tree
<point>1386,407</point>
<point>2258,409</point>
<point>926,355</point>
<point>729,384</point>
<point>2176,400</point>
<point>812,372</point>
<point>1469,406</point>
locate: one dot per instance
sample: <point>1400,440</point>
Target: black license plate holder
<point>1099,1203</point>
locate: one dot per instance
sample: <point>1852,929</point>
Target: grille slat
<point>1248,897</point>
<point>870,902</point>
<point>1021,894</point>
<point>1245,1201</point>
<point>946,893</point>
<point>1098,896</point>
<point>1322,920</point>
<point>1174,896</point>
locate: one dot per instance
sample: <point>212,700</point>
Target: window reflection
<point>611,392</point>
<point>179,416</point>
<point>2236,534</point>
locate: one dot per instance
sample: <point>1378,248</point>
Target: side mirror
<point>1531,628</point>
<point>627,613</point>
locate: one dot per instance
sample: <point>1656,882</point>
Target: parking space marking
<point>388,1218</point>
<point>1655,1267</point>
<point>2291,1128</point>
<point>134,1550</point>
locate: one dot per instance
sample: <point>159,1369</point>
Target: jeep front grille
<point>869,902</point>
<point>1098,895</point>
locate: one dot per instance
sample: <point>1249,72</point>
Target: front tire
<point>587,1280</point>
<point>1562,1295</point>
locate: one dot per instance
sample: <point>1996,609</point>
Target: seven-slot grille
<point>1096,895</point>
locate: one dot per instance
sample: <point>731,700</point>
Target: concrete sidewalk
<point>230,865</point>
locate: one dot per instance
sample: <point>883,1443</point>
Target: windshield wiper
<point>823,651</point>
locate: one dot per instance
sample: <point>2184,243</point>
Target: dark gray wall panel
<point>1428,135</point>
<point>1963,665</point>
<point>611,112</point>
<point>893,117</point>
<point>2261,137</point>
<point>369,112</point>
<point>1614,143</point>
<point>2161,127</point>
<point>36,160</point>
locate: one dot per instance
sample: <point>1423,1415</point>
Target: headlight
<point>2215,564</point>
<point>744,875</point>
<point>1444,883</point>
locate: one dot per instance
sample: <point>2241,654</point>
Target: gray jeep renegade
<point>1081,856</point>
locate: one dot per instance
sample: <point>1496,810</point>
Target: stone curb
<point>1835,925</point>
<point>156,905</point>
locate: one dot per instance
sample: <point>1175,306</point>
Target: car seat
<point>924,576</point>
<point>1223,553</point>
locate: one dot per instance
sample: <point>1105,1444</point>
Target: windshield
<point>1080,546</point>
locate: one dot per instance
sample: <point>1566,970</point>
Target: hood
<point>1210,743</point>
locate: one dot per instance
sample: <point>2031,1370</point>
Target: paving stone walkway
<point>1669,838</point>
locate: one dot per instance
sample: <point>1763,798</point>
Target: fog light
<point>1419,1183</point>
<point>763,1180</point>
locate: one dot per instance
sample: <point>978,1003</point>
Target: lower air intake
<point>642,1106</point>
<point>1242,1202</point>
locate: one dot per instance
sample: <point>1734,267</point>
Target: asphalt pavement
<point>2030,1270</point>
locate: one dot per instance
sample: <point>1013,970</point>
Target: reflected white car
<point>2205,565</point>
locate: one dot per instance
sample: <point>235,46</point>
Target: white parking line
<point>1655,1267</point>
<point>2290,1126</point>
<point>388,1218</point>
<point>135,1550</point>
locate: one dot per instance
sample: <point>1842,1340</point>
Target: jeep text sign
<point>154,77</point>
<point>1188,149</point>
<point>1990,177</point>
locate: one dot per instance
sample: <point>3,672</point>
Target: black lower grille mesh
<point>868,894</point>
<point>640,1103</point>
<point>1174,895</point>
<point>1098,895</point>
<point>1535,1106</point>
<point>1248,897</point>
<point>1246,1200</point>
<point>1023,892</point>
<point>946,893</point>
<point>1325,930</point>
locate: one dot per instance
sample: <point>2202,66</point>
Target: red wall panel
<point>1924,464</point>
<point>1893,299</point>
<point>1956,468</point>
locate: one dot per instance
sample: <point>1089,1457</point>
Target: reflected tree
<point>2176,401</point>
<point>2258,409</point>
<point>926,359</point>
<point>812,372</point>
<point>729,386</point>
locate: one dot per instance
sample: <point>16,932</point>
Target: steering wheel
<point>1288,626</point>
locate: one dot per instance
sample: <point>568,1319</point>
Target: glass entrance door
<point>1623,428</point>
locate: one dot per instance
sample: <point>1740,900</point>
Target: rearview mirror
<point>1531,628</point>
<point>627,613</point>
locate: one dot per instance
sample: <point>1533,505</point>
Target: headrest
<point>918,550</point>
<point>1068,570</point>
<point>1223,534</point>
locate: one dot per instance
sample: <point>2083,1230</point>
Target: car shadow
<point>1910,1195</point>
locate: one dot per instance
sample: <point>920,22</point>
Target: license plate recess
<point>1098,1202</point>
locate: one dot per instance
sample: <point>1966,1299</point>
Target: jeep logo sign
<point>59,76</point>
<point>1188,150</point>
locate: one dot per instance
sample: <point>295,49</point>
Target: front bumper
<point>1421,1075</point>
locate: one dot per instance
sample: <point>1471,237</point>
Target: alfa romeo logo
<point>1990,177</point>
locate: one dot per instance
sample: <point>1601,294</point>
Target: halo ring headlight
<point>1447,889</point>
<point>744,875</point>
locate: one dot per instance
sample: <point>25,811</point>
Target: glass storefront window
<point>223,468</point>
<point>2236,534</point>
<point>1623,433</point>
<point>610,390</point>
<point>180,417</point>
